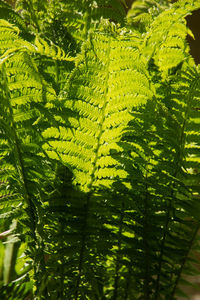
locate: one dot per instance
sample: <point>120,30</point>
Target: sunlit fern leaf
<point>57,63</point>
<point>102,92</point>
<point>11,42</point>
<point>165,40</point>
<point>105,87</point>
<point>8,35</point>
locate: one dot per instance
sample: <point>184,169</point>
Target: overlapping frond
<point>160,221</point>
<point>182,223</point>
<point>107,84</point>
<point>11,42</point>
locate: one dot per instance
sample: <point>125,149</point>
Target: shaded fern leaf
<point>23,96</point>
<point>182,224</point>
<point>50,50</point>
<point>7,13</point>
<point>160,221</point>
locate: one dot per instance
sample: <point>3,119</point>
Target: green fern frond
<point>98,100</point>
<point>100,109</point>
<point>174,49</point>
<point>22,89</point>
<point>182,223</point>
<point>77,17</point>
<point>103,180</point>
<point>32,11</point>
<point>11,42</point>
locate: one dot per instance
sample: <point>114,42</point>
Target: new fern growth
<point>99,151</point>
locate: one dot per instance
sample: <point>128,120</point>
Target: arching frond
<point>169,30</point>
<point>102,92</point>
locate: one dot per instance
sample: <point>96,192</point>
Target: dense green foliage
<point>99,150</point>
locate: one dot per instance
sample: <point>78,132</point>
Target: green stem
<point>83,247</point>
<point>128,282</point>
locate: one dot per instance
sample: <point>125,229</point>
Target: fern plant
<point>99,173</point>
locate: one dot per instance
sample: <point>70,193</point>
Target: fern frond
<point>104,88</point>
<point>181,224</point>
<point>103,179</point>
<point>101,109</point>
<point>78,17</point>
<point>21,90</point>
<point>174,48</point>
<point>11,43</point>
